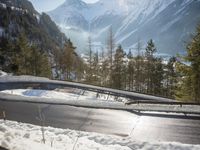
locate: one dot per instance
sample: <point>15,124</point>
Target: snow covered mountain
<point>168,22</point>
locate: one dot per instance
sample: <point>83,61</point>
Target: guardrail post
<point>108,96</point>
<point>4,115</point>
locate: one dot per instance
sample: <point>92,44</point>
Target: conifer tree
<point>89,70</point>
<point>29,59</point>
<point>90,52</point>
<point>57,62</point>
<point>129,55</point>
<point>104,72</point>
<point>111,46</point>
<point>158,77</point>
<point>23,55</point>
<point>117,74</point>
<point>139,70</point>
<point>79,67</point>
<point>170,78</point>
<point>7,55</point>
<point>130,70</point>
<point>95,69</point>
<point>150,67</point>
<point>189,88</point>
<point>68,59</point>
<point>39,63</point>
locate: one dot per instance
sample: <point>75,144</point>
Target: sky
<point>47,5</point>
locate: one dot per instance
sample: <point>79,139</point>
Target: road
<point>145,127</point>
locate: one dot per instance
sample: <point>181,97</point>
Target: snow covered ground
<point>2,73</point>
<point>21,136</point>
<point>41,93</point>
<point>76,94</point>
<point>96,100</point>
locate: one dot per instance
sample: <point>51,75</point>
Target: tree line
<point>178,78</point>
<point>143,73</point>
<point>22,58</point>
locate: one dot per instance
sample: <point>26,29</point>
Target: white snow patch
<point>41,93</point>
<point>143,11</point>
<point>168,25</point>
<point>3,5</point>
<point>37,17</point>
<point>126,36</point>
<point>1,31</point>
<point>2,73</point>
<point>75,95</point>
<point>21,136</point>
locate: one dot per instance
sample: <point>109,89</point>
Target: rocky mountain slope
<point>169,22</point>
<point>19,16</point>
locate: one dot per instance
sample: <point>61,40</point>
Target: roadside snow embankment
<point>77,97</point>
<point>41,93</point>
<point>77,94</point>
<point>21,136</point>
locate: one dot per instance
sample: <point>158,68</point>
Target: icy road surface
<point>144,126</point>
<point>66,110</point>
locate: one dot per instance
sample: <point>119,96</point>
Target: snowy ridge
<point>144,11</point>
<point>21,136</point>
<point>4,6</point>
<point>14,8</point>
<point>130,19</point>
<point>90,12</point>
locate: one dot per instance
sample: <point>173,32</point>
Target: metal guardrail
<point>97,104</point>
<point>11,82</point>
<point>136,103</point>
<point>162,103</point>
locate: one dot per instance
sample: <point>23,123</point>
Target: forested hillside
<point>145,72</point>
<point>24,32</point>
<point>20,16</point>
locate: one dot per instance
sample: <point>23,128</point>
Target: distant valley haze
<point>170,23</point>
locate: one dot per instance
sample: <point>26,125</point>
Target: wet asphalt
<point>139,126</point>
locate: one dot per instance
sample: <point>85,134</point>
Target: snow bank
<point>41,93</point>
<point>77,97</point>
<point>1,31</point>
<point>77,94</point>
<point>25,78</point>
<point>21,136</point>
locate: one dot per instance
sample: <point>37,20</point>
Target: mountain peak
<point>161,20</point>
<point>74,3</point>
